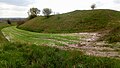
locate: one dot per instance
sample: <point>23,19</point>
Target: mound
<point>76,21</point>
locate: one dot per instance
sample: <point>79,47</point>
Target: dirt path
<point>91,47</point>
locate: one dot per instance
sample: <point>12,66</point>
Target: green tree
<point>47,12</point>
<point>33,12</point>
<point>93,6</point>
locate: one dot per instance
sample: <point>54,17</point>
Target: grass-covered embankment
<point>2,38</point>
<point>76,21</point>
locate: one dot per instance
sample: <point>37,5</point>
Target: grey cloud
<point>17,2</point>
<point>117,1</point>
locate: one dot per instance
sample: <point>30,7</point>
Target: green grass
<point>114,35</point>
<point>2,38</point>
<point>78,21</point>
<point>18,35</point>
<point>15,55</point>
<point>32,56</point>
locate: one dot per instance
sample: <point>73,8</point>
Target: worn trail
<point>86,42</point>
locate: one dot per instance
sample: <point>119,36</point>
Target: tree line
<point>33,12</point>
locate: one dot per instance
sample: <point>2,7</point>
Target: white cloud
<point>17,2</point>
<point>12,10</point>
<point>61,6</point>
<point>64,5</point>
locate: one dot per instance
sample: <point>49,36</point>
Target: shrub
<point>31,17</point>
<point>114,35</point>
<point>20,23</point>
<point>9,22</point>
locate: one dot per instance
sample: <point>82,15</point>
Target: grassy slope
<point>24,56</point>
<point>76,21</point>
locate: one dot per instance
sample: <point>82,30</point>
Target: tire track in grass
<point>38,38</point>
<point>21,38</point>
<point>72,38</point>
<point>48,41</point>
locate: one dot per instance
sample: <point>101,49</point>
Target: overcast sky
<point>19,8</point>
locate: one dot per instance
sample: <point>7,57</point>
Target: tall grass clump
<point>114,35</point>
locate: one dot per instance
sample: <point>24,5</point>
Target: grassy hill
<point>76,21</point>
<point>16,55</point>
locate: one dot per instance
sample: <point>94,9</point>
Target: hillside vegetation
<point>76,21</point>
<point>32,56</point>
<point>17,55</point>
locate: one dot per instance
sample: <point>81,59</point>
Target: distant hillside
<point>12,19</point>
<point>76,21</point>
